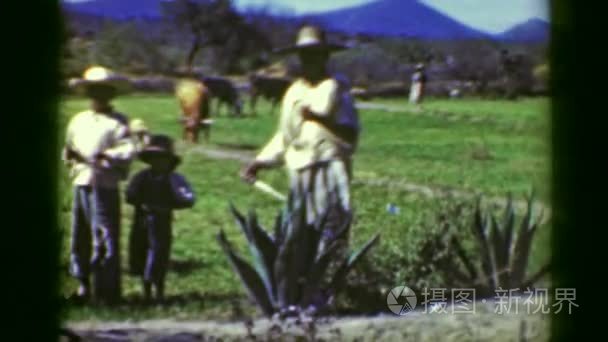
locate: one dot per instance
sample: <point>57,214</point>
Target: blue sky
<point>488,15</point>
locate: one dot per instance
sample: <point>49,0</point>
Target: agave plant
<point>503,249</point>
<point>291,268</point>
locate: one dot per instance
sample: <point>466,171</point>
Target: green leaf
<point>338,279</point>
<point>241,221</point>
<point>264,253</point>
<point>249,277</point>
<point>315,276</point>
<point>480,228</point>
<point>523,243</point>
<point>499,263</point>
<point>508,227</point>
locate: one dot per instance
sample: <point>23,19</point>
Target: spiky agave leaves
<point>249,276</point>
<point>288,268</point>
<point>503,249</point>
<point>507,250</point>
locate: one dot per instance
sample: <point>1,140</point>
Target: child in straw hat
<point>156,192</point>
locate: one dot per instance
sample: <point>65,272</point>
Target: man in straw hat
<point>98,149</point>
<point>317,133</point>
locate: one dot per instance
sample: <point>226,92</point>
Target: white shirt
<point>299,143</point>
<point>90,133</point>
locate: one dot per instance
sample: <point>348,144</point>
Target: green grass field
<point>472,145</point>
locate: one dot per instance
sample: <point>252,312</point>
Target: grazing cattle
<point>270,88</point>
<point>193,99</point>
<point>224,92</point>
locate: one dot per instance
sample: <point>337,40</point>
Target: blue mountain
<point>533,31</point>
<point>409,18</point>
<point>117,9</point>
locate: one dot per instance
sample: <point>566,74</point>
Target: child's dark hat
<point>160,145</point>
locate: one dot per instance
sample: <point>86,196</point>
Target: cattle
<point>193,99</point>
<point>271,88</point>
<point>225,93</point>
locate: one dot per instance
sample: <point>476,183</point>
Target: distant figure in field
<point>193,98</point>
<point>418,84</point>
<point>510,65</point>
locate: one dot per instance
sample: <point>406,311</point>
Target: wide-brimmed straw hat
<point>99,75</point>
<point>160,145</point>
<point>311,38</point>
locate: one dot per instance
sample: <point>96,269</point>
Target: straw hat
<point>160,145</point>
<point>98,75</point>
<point>311,38</point>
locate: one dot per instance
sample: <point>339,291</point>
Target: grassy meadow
<point>489,147</point>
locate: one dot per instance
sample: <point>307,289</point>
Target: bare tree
<point>213,23</point>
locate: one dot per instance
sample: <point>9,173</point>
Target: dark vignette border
<point>31,40</point>
<point>30,229</point>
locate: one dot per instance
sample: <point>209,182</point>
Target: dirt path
<point>383,107</point>
<point>482,325</point>
<point>230,154</point>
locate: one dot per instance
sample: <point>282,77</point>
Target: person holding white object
<point>317,133</point>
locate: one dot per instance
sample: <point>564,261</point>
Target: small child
<point>156,192</point>
<point>140,133</point>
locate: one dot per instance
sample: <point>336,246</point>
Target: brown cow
<point>193,98</point>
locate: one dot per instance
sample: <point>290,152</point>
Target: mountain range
<point>406,18</point>
<point>533,30</point>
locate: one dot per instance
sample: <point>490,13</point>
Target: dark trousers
<point>138,243</point>
<point>159,247</point>
<point>150,245</point>
<point>95,240</point>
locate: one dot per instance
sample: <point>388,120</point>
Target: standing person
<point>98,150</point>
<point>510,65</point>
<point>140,133</point>
<point>156,192</point>
<point>137,236</point>
<point>317,134</point>
<point>418,84</point>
